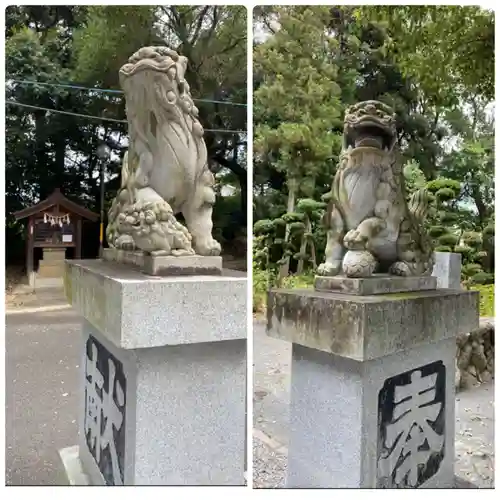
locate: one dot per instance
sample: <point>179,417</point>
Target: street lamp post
<point>103,153</point>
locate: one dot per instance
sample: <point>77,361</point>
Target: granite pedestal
<point>448,270</point>
<point>372,386</point>
<point>163,376</point>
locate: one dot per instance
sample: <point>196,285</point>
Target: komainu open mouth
<point>370,124</point>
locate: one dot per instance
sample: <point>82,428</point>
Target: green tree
<point>213,38</point>
<point>295,102</point>
<point>373,57</point>
<point>86,45</point>
<point>457,42</point>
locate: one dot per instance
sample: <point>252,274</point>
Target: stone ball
<point>359,264</point>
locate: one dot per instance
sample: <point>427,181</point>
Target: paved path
<point>474,419</point>
<point>42,356</point>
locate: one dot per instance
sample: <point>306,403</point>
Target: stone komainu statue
<point>165,170</point>
<point>370,226</point>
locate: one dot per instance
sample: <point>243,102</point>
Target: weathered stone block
<point>164,370</point>
<point>134,310</point>
<point>168,265</point>
<point>51,269</point>
<point>374,285</point>
<point>53,254</point>
<point>448,269</point>
<point>368,327</point>
<point>181,420</point>
<point>343,414</point>
<point>475,355</point>
<point>373,378</point>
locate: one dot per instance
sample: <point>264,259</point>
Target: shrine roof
<point>56,198</point>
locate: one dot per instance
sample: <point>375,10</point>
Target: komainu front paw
<point>329,268</point>
<point>125,242</point>
<point>355,240</point>
<point>207,247</point>
<point>400,269</point>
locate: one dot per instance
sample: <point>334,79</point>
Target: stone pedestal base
<point>372,387</point>
<point>374,285</point>
<point>164,362</point>
<point>167,265</point>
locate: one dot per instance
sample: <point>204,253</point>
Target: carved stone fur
<point>370,226</point>
<point>165,170</point>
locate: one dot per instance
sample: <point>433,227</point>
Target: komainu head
<point>154,85</point>
<point>370,124</point>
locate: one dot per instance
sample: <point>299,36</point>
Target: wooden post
<point>78,248</point>
<point>29,251</point>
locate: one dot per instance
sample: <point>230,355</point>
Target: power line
<point>65,112</point>
<point>111,91</point>
<point>107,119</point>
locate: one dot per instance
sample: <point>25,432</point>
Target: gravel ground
<point>269,466</point>
<point>474,445</point>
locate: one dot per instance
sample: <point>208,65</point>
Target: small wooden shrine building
<point>54,225</point>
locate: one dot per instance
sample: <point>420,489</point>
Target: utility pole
<point>103,154</point>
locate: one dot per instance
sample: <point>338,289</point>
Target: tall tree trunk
<point>313,254</point>
<point>482,211</point>
<point>293,187</point>
<point>303,246</point>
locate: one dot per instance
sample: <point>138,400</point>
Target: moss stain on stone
<point>404,295</point>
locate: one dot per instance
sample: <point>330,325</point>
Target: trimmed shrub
<point>442,248</point>
<point>471,269</point>
<point>482,278</point>
<point>448,240</point>
<point>437,231</point>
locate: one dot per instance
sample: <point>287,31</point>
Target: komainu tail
<point>419,205</point>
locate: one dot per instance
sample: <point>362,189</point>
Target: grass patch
<point>260,287</point>
<point>486,299</point>
<point>261,281</point>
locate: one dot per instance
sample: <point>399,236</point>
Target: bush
<point>445,194</point>
<point>448,217</point>
<point>299,281</point>
<point>482,278</point>
<point>444,183</point>
<point>472,239</point>
<point>263,226</point>
<point>260,287</point>
<point>486,299</point>
<point>449,240</point>
<point>471,269</point>
<point>464,250</point>
<point>437,231</point>
<point>442,248</point>
<point>489,231</point>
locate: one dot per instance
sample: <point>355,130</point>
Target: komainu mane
<point>165,170</point>
<point>371,227</point>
